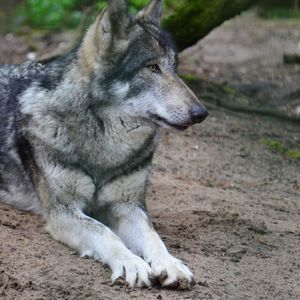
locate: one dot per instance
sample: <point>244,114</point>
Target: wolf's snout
<point>198,114</point>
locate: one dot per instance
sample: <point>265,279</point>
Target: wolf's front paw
<point>136,271</point>
<point>171,272</point>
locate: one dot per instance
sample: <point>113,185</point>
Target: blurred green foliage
<point>60,14</point>
<point>53,14</point>
<point>281,13</point>
<point>279,9</point>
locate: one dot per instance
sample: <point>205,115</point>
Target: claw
<point>161,278</point>
<point>120,281</point>
<point>172,273</point>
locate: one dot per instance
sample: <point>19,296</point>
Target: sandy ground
<point>223,203</point>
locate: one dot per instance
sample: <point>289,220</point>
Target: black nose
<point>198,114</point>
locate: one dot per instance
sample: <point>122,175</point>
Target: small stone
<point>31,56</point>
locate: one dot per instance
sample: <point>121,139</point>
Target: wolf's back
<point>8,108</point>
<point>13,82</point>
<point>15,184</point>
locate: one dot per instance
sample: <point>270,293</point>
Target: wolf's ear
<point>110,26</point>
<point>107,34</point>
<point>151,13</point>
<point>114,20</point>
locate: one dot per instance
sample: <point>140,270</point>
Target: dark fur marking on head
<point>131,61</point>
<point>128,66</point>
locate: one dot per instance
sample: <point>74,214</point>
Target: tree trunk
<point>193,19</point>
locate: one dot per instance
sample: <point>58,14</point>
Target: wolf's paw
<point>172,273</point>
<point>135,270</point>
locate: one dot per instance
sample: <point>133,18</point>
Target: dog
<point>77,137</point>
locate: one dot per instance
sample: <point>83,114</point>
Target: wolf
<point>77,137</point>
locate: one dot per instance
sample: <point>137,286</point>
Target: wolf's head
<point>131,62</point>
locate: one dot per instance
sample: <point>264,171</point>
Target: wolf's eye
<point>154,68</point>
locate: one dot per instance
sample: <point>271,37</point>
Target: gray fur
<point>78,134</point>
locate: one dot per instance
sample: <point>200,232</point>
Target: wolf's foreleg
<point>91,238</point>
<point>135,229</point>
<point>126,215</point>
<point>65,192</point>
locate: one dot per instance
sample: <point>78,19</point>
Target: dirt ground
<point>222,201</point>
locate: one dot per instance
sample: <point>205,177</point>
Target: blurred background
<point>16,15</point>
<point>257,53</point>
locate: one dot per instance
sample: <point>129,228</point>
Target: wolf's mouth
<point>163,121</point>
